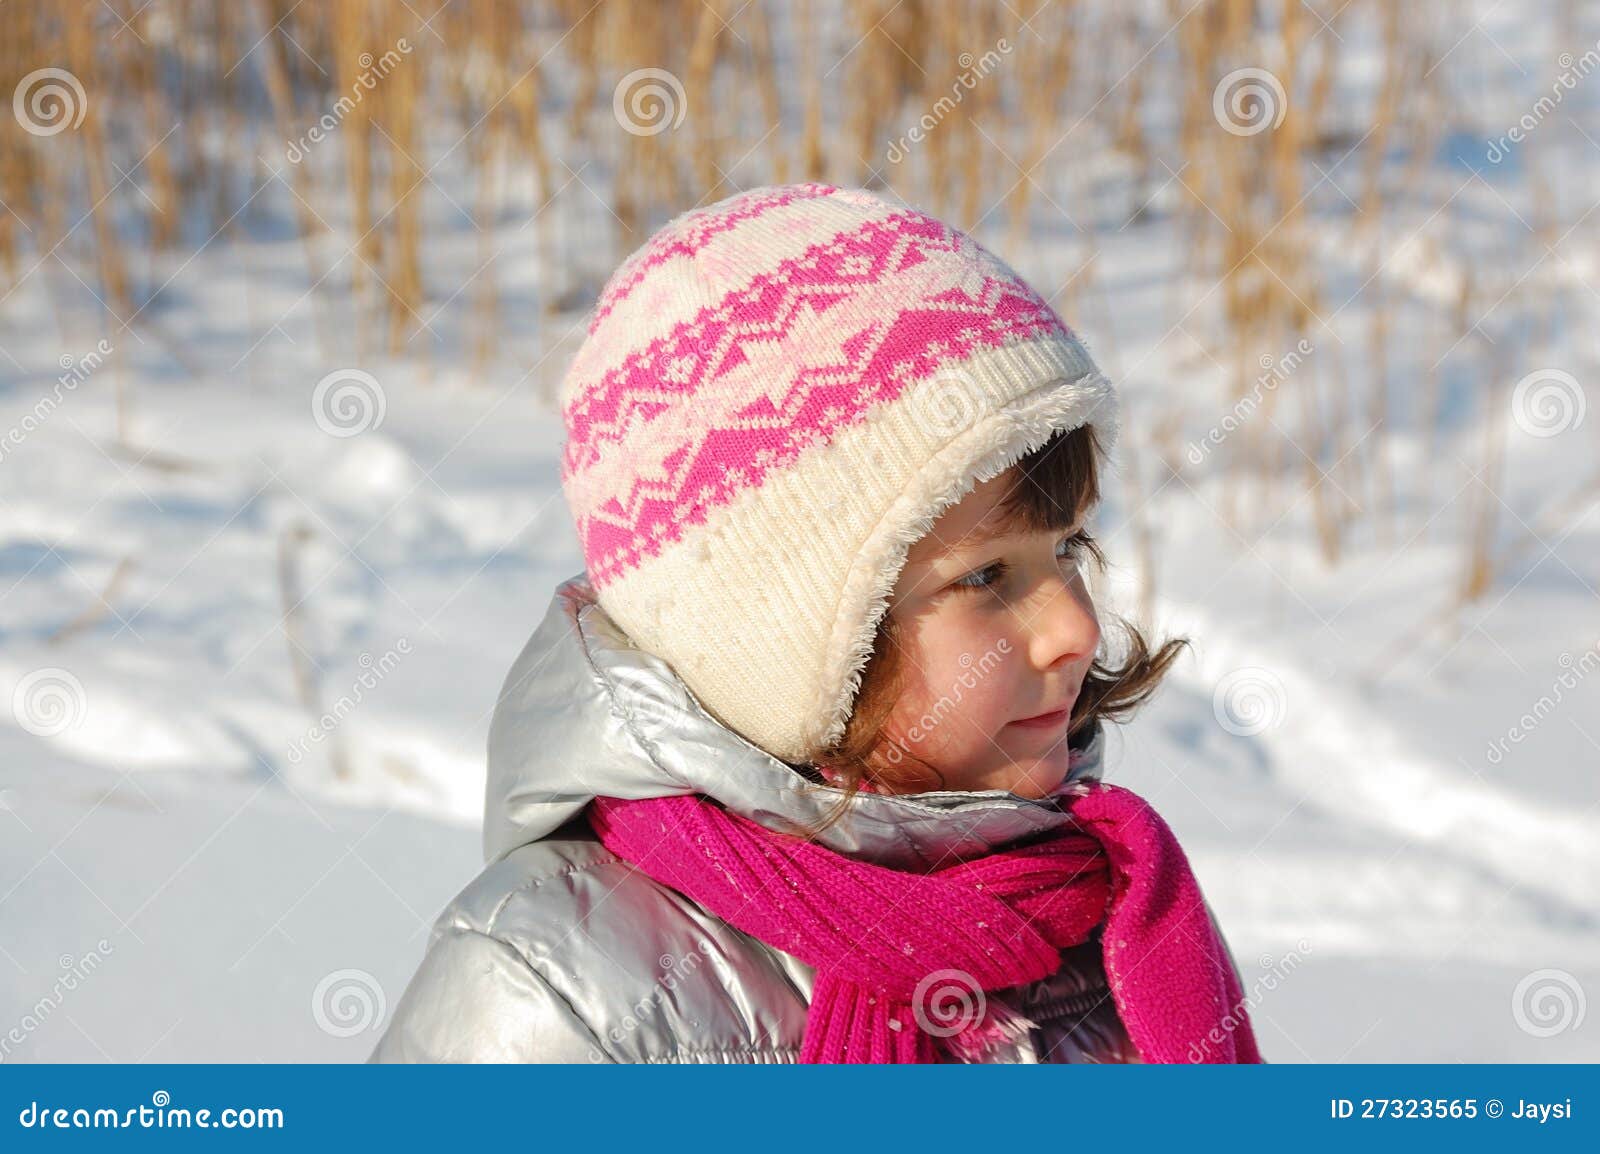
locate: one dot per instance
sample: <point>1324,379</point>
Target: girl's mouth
<point>1045,720</point>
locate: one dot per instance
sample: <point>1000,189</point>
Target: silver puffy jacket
<point>561,952</point>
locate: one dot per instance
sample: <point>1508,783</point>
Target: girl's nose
<point>1063,628</point>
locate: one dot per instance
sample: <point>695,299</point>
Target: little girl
<point>806,765</point>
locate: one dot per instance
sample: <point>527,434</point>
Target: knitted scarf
<point>903,960</point>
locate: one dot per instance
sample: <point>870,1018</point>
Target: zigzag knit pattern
<point>694,231</point>
<point>844,354</point>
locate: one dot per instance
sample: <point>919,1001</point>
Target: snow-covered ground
<point>1401,841</point>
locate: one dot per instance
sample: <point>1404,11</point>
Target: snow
<point>1401,842</point>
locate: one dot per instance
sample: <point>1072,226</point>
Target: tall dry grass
<point>191,103</point>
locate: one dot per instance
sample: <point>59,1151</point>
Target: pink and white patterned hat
<point>778,394</point>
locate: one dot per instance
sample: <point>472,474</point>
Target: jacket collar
<point>584,712</point>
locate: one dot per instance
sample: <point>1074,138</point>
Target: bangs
<point>1057,484</point>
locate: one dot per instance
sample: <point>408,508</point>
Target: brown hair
<point>1058,481</point>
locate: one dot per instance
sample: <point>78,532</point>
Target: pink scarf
<point>903,959</point>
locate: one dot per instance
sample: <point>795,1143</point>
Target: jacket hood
<point>585,713</point>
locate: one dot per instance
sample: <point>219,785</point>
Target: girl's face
<point>997,628</point>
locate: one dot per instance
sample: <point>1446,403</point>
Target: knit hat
<point>778,395</point>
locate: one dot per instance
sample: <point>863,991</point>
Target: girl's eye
<point>1074,545</point>
<point>983,578</point>
<point>1070,548</point>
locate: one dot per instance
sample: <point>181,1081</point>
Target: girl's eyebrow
<point>979,537</point>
